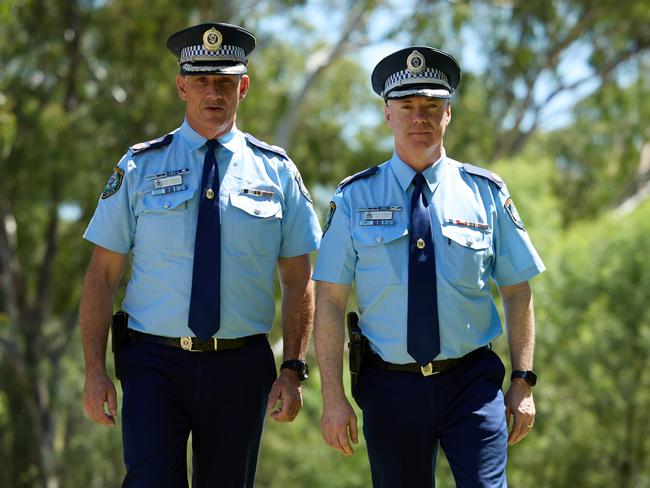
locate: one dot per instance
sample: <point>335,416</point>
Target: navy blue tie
<point>205,302</point>
<point>423,338</point>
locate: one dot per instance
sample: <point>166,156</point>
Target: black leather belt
<point>194,344</point>
<point>434,367</point>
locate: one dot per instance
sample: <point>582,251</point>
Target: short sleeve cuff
<point>522,276</point>
<point>105,242</point>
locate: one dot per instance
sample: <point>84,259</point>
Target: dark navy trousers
<point>407,416</point>
<point>220,397</point>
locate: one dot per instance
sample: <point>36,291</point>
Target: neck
<point>210,132</point>
<point>420,160</point>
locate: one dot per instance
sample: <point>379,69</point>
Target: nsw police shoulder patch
<point>514,215</point>
<point>302,187</point>
<point>114,182</point>
<point>330,214</point>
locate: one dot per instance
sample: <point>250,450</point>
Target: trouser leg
<point>398,428</point>
<point>474,434</point>
<point>229,415</point>
<point>155,420</point>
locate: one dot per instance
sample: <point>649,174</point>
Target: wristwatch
<point>299,366</point>
<point>528,376</point>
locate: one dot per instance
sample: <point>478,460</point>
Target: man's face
<point>212,101</point>
<point>418,123</point>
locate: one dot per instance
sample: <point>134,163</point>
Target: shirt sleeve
<point>300,228</point>
<point>113,224</point>
<point>516,259</point>
<point>337,256</point>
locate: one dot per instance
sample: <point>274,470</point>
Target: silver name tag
<point>167,181</point>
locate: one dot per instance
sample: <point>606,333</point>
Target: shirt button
<point>256,211</point>
<point>469,242</point>
<point>379,239</point>
<point>166,205</point>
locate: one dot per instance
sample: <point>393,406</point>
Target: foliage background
<point>554,98</point>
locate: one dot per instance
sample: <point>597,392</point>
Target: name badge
<point>167,181</point>
<point>387,215</point>
<point>377,215</point>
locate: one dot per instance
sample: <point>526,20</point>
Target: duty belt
<point>194,344</point>
<point>434,367</point>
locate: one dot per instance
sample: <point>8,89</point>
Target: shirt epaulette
<point>269,147</point>
<point>357,176</point>
<point>153,144</point>
<point>485,173</point>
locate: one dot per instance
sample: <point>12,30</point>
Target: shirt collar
<point>404,173</point>
<point>193,140</point>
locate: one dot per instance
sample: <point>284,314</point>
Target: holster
<point>358,346</point>
<point>119,329</point>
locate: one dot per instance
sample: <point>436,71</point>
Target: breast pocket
<point>381,254</point>
<point>253,224</point>
<point>165,220</point>
<point>466,255</point>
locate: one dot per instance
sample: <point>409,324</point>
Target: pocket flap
<point>378,235</point>
<point>168,201</point>
<point>467,236</point>
<point>252,205</point>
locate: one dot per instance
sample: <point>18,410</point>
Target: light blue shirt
<point>266,213</point>
<point>477,235</point>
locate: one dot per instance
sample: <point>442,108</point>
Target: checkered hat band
<point>405,77</point>
<point>199,53</point>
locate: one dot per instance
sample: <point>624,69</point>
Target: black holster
<point>119,330</point>
<point>358,346</point>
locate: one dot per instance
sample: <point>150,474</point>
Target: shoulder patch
<point>263,145</point>
<point>358,176</point>
<point>114,182</point>
<point>143,147</point>
<point>485,173</point>
<point>330,214</point>
<point>514,215</point>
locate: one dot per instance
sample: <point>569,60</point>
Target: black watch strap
<point>527,375</point>
<point>299,366</point>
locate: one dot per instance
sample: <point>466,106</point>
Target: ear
<point>448,113</point>
<point>387,115</point>
<point>244,84</point>
<point>180,87</point>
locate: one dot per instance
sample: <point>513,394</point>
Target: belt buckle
<point>215,343</point>
<point>186,343</point>
<point>427,369</point>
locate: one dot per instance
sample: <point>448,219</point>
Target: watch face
<point>528,376</point>
<point>300,367</point>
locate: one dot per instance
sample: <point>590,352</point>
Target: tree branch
<point>287,124</point>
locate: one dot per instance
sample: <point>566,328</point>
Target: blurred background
<point>555,98</point>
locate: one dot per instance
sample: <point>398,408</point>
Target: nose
<point>212,88</point>
<point>419,114</point>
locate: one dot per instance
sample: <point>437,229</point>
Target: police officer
<point>205,212</point>
<point>422,235</point>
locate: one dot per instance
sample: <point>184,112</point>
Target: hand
<point>288,392</point>
<point>519,404</point>
<point>98,391</point>
<point>339,425</point>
